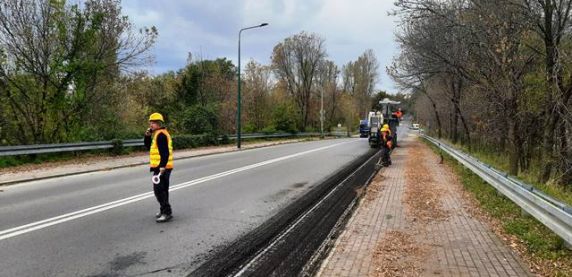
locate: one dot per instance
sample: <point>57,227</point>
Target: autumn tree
<point>296,61</point>
<point>59,64</point>
<point>359,79</point>
<point>257,88</point>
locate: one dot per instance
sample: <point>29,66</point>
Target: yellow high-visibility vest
<point>154,156</point>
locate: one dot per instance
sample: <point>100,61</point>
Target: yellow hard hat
<point>156,117</point>
<point>384,129</point>
<point>386,126</point>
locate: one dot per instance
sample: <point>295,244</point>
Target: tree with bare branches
<point>469,46</point>
<point>296,61</point>
<point>60,62</point>
<point>359,79</point>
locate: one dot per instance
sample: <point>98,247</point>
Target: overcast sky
<point>209,29</point>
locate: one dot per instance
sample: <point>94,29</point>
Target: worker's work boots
<point>163,218</point>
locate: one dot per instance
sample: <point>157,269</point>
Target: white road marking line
<point>34,226</point>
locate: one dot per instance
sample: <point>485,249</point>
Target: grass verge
<point>530,176</point>
<point>539,246</point>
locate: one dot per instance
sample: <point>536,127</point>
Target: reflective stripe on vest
<point>155,156</point>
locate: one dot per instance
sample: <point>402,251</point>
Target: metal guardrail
<point>63,147</point>
<point>555,215</point>
<point>279,135</point>
<point>82,146</point>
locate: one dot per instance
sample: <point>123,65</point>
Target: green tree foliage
<point>200,119</point>
<point>284,117</point>
<point>68,73</point>
<point>404,98</point>
<point>203,82</point>
<point>60,64</point>
<point>379,96</point>
<point>208,84</point>
<point>195,99</point>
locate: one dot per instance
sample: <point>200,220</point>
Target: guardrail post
<point>565,244</point>
<point>117,147</point>
<point>524,213</point>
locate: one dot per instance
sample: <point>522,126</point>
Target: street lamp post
<point>322,112</point>
<point>238,130</point>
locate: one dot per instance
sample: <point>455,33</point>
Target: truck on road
<point>375,123</point>
<point>388,107</point>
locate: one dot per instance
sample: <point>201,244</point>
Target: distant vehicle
<point>414,126</point>
<point>363,128</point>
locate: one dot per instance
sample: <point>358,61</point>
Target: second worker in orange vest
<point>398,114</point>
<point>160,145</point>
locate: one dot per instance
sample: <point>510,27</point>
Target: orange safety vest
<point>155,156</point>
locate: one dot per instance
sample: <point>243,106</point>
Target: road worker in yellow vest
<point>158,141</point>
<point>386,145</point>
<point>386,126</point>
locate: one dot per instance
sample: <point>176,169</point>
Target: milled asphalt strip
<point>34,226</point>
<point>298,221</point>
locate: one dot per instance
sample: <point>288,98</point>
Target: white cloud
<point>210,28</point>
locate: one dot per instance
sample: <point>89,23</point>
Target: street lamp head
<point>263,24</point>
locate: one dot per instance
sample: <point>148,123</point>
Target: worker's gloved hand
<point>161,170</point>
<point>148,132</point>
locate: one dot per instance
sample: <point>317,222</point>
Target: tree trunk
<point>454,128</point>
<point>457,103</point>
<point>548,147</point>
<point>549,112</point>
<point>450,129</point>
<point>455,117</point>
<point>564,164</point>
<point>514,148</point>
<point>567,177</point>
<point>437,117</point>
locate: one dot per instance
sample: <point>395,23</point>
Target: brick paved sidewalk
<point>412,222</point>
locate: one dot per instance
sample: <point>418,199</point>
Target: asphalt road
<point>102,224</point>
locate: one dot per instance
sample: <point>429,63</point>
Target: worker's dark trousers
<point>385,158</point>
<point>162,192</point>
